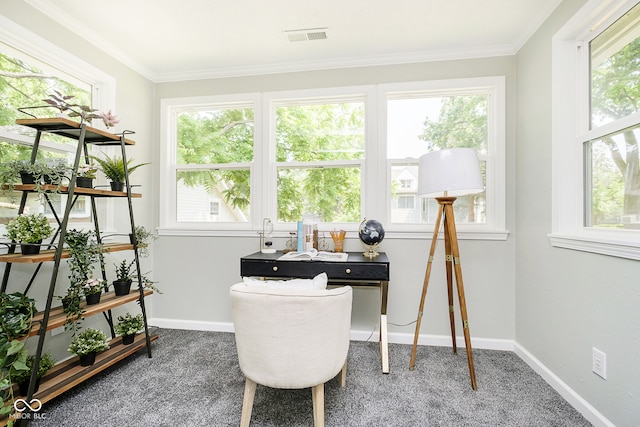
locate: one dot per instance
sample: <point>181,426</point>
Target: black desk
<point>358,270</point>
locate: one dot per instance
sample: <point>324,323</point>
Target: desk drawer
<point>309,269</point>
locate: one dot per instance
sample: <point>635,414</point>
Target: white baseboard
<point>191,325</point>
<point>589,412</point>
<point>574,399</point>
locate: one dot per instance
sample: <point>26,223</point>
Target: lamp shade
<point>455,171</point>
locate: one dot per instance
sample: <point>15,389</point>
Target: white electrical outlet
<point>599,363</point>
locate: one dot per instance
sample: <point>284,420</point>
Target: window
<point>30,69</point>
<point>425,117</point>
<point>596,132</point>
<point>213,156</point>
<point>323,152</point>
<point>319,158</point>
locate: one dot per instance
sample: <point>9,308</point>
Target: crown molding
<point>49,8</point>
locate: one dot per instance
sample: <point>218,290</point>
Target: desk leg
<point>384,343</point>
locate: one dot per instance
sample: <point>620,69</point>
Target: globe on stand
<point>371,234</point>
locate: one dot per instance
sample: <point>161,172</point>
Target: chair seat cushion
<point>319,282</point>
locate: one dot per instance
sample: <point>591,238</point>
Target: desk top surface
<point>353,257</point>
<point>357,267</point>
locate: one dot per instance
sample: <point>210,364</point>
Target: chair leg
<point>247,402</point>
<point>343,375</point>
<point>317,393</point>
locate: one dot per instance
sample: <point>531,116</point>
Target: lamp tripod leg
<point>450,230</point>
<point>449,269</point>
<point>425,285</point>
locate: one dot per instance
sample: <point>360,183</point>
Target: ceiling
<point>169,40</point>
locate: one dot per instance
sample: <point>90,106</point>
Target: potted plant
<point>22,377</point>
<point>85,176</point>
<point>122,284</point>
<point>92,289</point>
<point>142,237</point>
<point>16,316</point>
<point>84,251</point>
<point>50,172</point>
<point>29,230</point>
<point>87,344</point>
<point>128,326</point>
<point>113,168</point>
<point>61,102</point>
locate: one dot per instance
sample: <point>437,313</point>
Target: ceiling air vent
<point>306,34</point>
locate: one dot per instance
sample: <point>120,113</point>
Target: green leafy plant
<point>61,102</point>
<point>142,237</point>
<point>51,172</point>
<point>129,325</point>
<point>46,363</point>
<point>113,167</point>
<point>16,316</point>
<point>123,270</point>
<point>84,251</point>
<point>28,228</point>
<point>88,341</point>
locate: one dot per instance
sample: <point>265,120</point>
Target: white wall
<point>196,272</point>
<point>567,301</point>
<point>555,303</point>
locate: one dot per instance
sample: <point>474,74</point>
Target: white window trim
<point>169,108</point>
<point>495,227</point>
<point>568,113</point>
<point>273,100</point>
<point>374,203</point>
<point>103,85</point>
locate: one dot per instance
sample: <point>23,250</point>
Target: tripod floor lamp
<point>444,175</point>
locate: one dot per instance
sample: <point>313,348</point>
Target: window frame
<point>495,181</point>
<point>272,100</point>
<point>169,109</point>
<point>374,168</point>
<point>571,128</point>
<point>103,86</point>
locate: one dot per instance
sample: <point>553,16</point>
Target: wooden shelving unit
<point>69,373</point>
<point>50,254</point>
<point>109,300</point>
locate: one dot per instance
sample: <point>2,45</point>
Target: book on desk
<point>315,255</point>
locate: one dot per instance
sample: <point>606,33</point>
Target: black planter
<point>23,387</point>
<point>93,299</point>
<point>117,186</point>
<point>87,359</point>
<point>84,182</point>
<point>27,178</point>
<point>128,339</point>
<point>30,249</point>
<point>122,287</point>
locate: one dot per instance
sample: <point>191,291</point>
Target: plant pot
<point>117,186</point>
<point>87,359</point>
<point>93,299</point>
<point>30,249</point>
<point>128,339</point>
<point>122,287</point>
<point>27,178</point>
<point>84,182</point>
<point>23,387</point>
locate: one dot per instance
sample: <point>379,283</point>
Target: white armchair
<point>291,338</point>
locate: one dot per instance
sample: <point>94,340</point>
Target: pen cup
<point>338,240</point>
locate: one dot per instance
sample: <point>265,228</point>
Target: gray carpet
<point>193,379</point>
